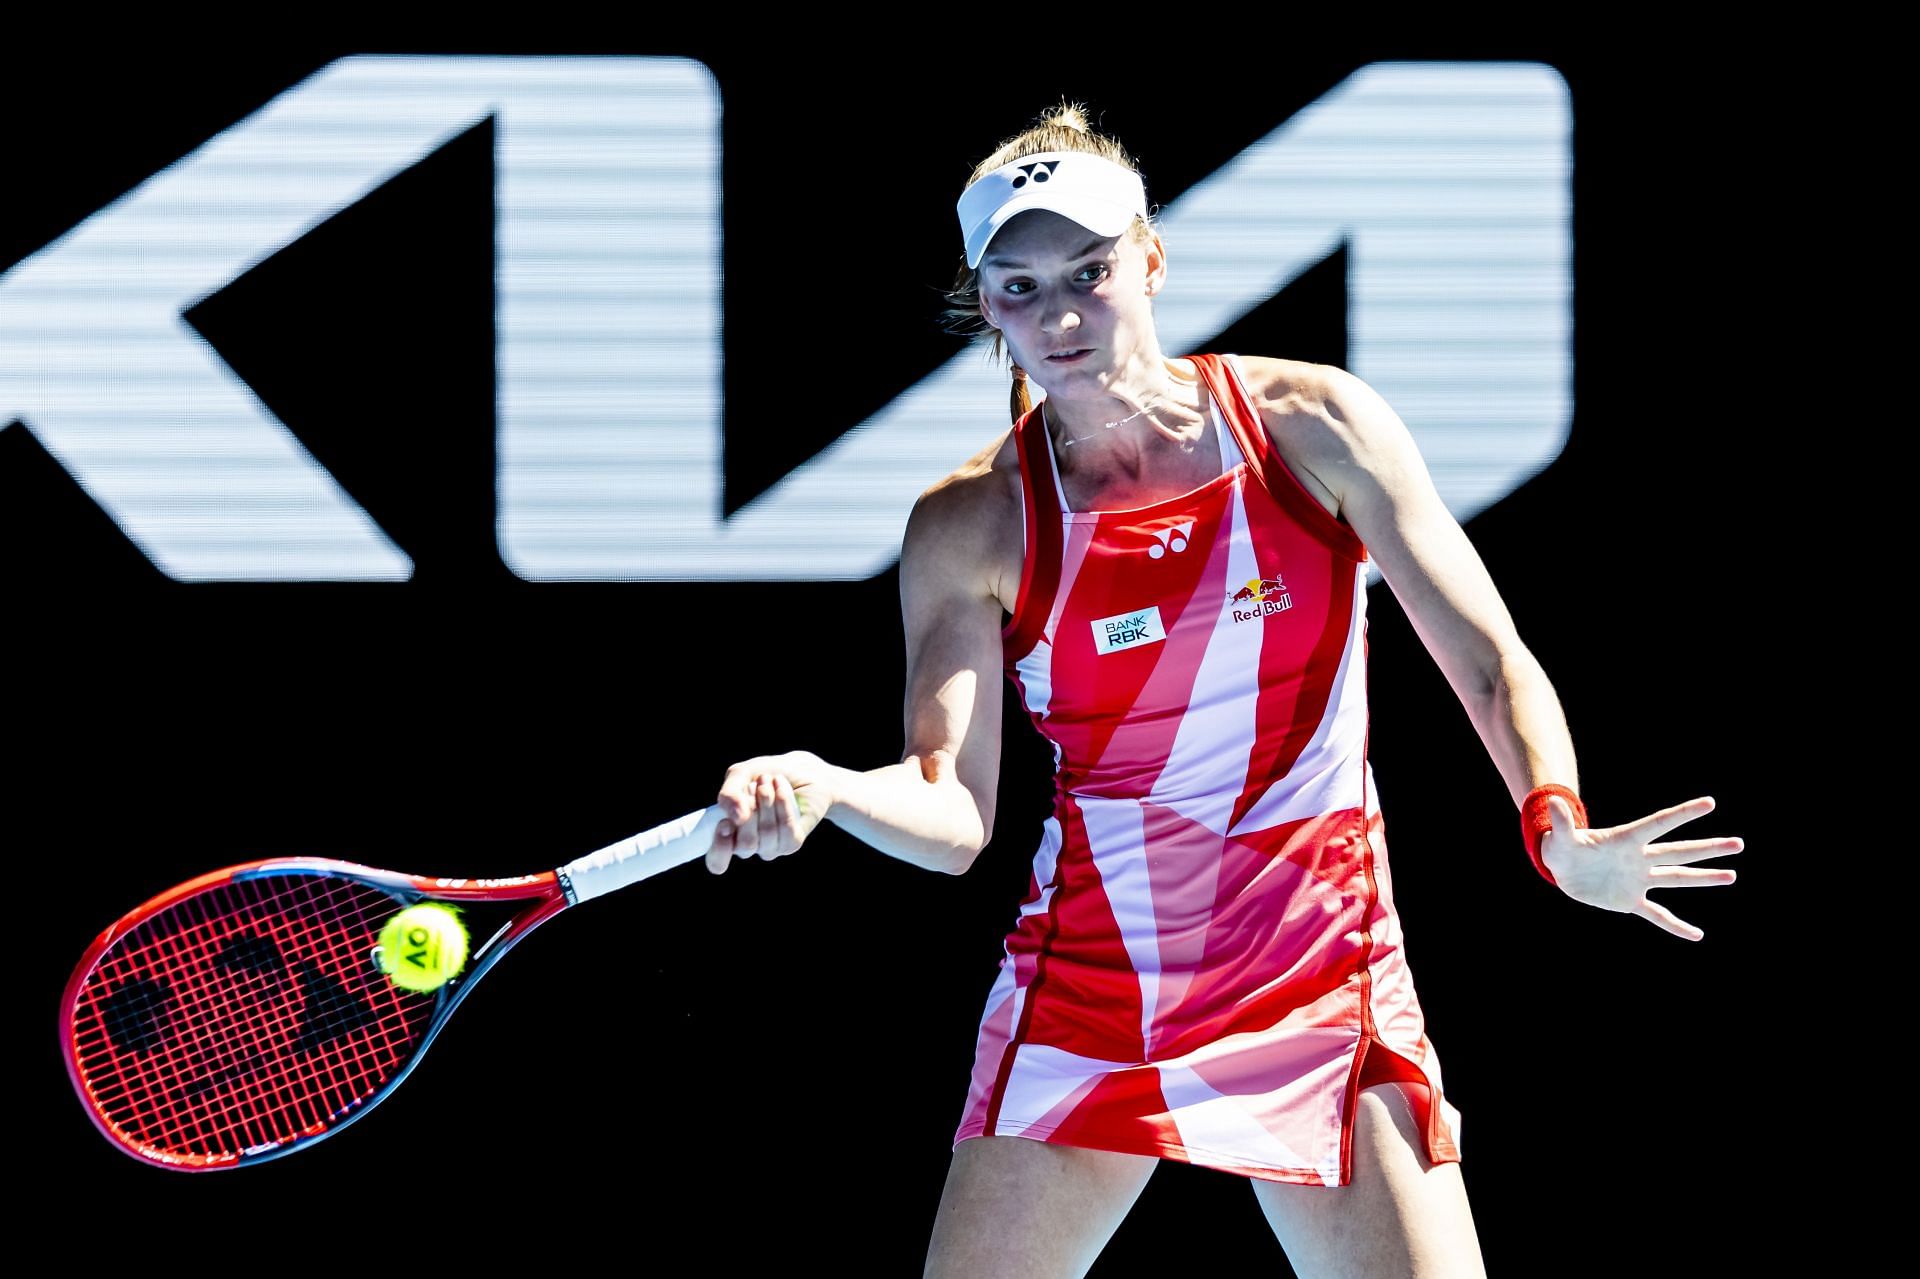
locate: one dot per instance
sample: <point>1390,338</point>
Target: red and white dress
<point>1207,965</point>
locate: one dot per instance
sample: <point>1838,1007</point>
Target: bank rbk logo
<point>1128,630</point>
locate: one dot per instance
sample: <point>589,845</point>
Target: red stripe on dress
<point>1050,930</point>
<point>1040,568</point>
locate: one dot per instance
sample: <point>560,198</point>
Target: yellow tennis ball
<point>423,947</point>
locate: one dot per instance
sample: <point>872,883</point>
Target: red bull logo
<point>1259,597</point>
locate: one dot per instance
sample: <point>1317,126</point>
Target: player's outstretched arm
<point>935,807</point>
<point>1357,445</point>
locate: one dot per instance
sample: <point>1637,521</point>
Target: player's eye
<point>1016,288</point>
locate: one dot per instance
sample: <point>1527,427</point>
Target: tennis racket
<point>244,1015</point>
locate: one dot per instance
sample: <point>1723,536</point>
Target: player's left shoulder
<point>1295,391</point>
<point>1318,416</point>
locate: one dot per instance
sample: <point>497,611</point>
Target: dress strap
<point>1230,454</point>
<point>1044,546</point>
<point>1230,392</point>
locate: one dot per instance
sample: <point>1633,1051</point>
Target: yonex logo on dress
<point>1039,171</point>
<point>1174,537</point>
<point>1259,597</point>
<point>1128,630</point>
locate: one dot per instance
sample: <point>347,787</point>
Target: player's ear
<point>1156,263</point>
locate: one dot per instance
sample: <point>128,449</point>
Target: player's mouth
<point>1070,357</point>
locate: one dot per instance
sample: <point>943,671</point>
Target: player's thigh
<point>1018,1206</point>
<point>1400,1216</point>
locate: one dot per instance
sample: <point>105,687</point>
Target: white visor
<point>1094,191</point>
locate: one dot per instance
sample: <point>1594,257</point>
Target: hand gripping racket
<point>244,1014</point>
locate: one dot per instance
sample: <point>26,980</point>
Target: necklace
<point>1089,435</point>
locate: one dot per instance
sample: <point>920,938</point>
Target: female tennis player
<point>1208,965</point>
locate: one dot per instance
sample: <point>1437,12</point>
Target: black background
<point>767,1067</point>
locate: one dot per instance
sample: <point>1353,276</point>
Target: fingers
<point>1682,851</point>
<point>1656,824</point>
<point>740,795</point>
<point>737,832</point>
<point>720,851</point>
<point>761,818</point>
<point>1660,915</point>
<point>1674,877</point>
<point>767,841</point>
<point>787,802</point>
<point>1565,822</point>
<point>777,808</point>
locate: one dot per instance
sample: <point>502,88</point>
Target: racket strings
<point>245,1016</point>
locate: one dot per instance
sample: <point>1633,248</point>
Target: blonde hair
<point>1061,128</point>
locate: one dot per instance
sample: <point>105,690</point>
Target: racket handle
<point>670,844</point>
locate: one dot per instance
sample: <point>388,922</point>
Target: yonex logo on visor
<point>1100,195</point>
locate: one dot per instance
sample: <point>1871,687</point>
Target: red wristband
<point>1536,818</point>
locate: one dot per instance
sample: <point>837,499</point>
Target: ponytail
<point>1020,402</point>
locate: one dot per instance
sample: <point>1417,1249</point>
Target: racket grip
<point>670,844</point>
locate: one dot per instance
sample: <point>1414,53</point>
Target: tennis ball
<point>423,947</point>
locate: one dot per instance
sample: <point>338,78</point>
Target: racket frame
<point>546,886</point>
<point>623,862</point>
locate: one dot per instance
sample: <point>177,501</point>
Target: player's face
<point>1047,283</point>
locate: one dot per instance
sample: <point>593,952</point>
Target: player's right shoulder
<point>975,500</point>
<point>970,522</point>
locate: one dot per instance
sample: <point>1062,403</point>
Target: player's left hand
<point>1613,867</point>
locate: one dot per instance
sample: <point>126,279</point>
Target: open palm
<point>1613,867</point>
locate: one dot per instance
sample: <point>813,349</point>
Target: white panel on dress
<point>1075,539</point>
<point>1116,840</point>
<point>1036,676</point>
<point>1044,859</point>
<point>1044,1076</point>
<point>1216,734</point>
<point>1211,1120</point>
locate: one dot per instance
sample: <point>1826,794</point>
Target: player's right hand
<point>770,804</point>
